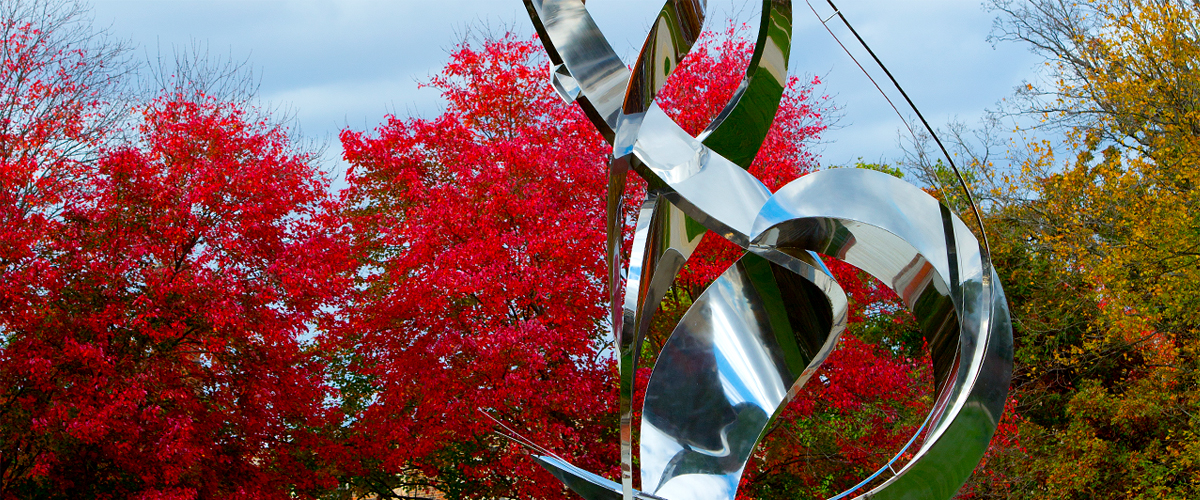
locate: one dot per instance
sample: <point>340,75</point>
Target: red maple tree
<point>153,343</point>
<point>479,231</point>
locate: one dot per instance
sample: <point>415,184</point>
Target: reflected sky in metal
<point>760,331</point>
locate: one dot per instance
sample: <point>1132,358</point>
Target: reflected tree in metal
<point>761,330</point>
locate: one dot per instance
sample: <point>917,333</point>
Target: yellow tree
<point>1103,247</point>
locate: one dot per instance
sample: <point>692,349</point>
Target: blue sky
<point>346,63</point>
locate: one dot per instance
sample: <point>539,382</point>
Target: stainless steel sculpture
<point>763,328</point>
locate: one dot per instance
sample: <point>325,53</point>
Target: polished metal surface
<point>675,30</point>
<point>738,355</point>
<point>739,130</point>
<point>756,335</point>
<point>905,238</point>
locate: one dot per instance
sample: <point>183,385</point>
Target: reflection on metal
<point>760,331</point>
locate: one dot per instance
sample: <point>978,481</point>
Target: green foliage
<point>878,167</point>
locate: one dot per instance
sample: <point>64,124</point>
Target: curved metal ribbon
<point>912,243</point>
<point>756,335</point>
<point>665,236</point>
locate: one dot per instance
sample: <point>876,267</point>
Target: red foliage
<point>483,233</point>
<point>49,101</point>
<point>484,229</point>
<point>152,349</point>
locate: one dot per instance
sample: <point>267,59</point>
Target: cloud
<point>347,62</point>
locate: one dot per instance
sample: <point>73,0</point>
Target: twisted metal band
<point>760,331</point>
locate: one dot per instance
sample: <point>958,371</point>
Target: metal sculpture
<point>757,334</point>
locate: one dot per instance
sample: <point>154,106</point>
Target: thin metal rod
<point>941,187</point>
<point>861,68</point>
<point>517,437</point>
<point>932,133</point>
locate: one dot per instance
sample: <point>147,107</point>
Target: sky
<point>347,63</point>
